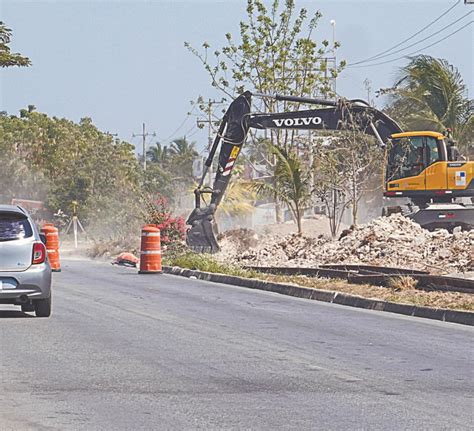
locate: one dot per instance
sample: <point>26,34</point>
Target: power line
<point>419,50</point>
<point>181,125</point>
<point>422,40</point>
<point>190,130</point>
<point>192,134</point>
<point>177,130</point>
<point>185,134</point>
<point>374,57</point>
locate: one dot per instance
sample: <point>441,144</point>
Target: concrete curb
<point>454,316</point>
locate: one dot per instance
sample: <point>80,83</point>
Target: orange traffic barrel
<point>150,250</point>
<point>52,245</point>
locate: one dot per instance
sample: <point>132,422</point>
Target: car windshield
<point>14,226</point>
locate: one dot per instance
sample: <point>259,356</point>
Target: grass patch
<point>401,290</point>
<point>402,284</point>
<point>206,263</point>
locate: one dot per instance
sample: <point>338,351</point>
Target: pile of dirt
<point>386,241</point>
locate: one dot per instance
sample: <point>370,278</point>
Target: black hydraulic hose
<point>217,140</point>
<point>210,157</point>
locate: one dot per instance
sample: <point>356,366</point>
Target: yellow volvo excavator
<point>423,167</point>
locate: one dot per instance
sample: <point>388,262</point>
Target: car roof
<point>13,209</point>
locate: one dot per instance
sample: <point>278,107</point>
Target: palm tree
<point>183,154</point>
<point>8,58</point>
<point>239,196</point>
<point>183,148</point>
<point>158,154</point>
<point>431,94</point>
<point>291,183</point>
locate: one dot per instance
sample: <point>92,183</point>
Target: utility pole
<point>333,25</point>
<point>367,86</point>
<point>144,135</point>
<point>201,122</point>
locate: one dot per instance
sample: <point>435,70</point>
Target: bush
<point>173,229</point>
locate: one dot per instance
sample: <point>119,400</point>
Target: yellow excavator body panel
<point>436,135</point>
<point>460,175</point>
<point>436,177</point>
<point>416,182</point>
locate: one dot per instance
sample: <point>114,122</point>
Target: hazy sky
<point>123,62</point>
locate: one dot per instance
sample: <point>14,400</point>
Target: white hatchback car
<point>25,273</point>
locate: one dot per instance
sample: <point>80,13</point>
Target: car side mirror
<point>43,238</point>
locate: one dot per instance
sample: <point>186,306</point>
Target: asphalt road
<point>125,351</point>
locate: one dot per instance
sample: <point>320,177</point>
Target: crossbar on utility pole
<point>144,135</point>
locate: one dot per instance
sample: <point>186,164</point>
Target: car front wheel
<point>43,307</point>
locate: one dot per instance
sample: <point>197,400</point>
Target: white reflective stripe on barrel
<point>151,252</point>
<point>150,233</point>
<point>51,251</point>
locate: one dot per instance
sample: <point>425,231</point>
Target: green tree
<point>430,93</point>
<point>160,180</point>
<point>8,58</point>
<point>239,195</point>
<point>330,187</point>
<point>70,161</point>
<point>291,183</point>
<point>159,154</point>
<point>182,154</point>
<point>183,148</point>
<point>345,166</point>
<point>170,170</point>
<point>276,52</point>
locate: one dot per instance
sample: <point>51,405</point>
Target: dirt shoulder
<point>399,292</point>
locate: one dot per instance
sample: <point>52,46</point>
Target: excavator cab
<point>410,155</point>
<point>425,165</point>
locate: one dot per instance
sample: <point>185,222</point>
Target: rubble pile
<point>237,240</point>
<point>386,241</point>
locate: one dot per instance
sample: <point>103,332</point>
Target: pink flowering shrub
<point>173,229</point>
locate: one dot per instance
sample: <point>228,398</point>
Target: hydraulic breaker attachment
<point>201,237</point>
